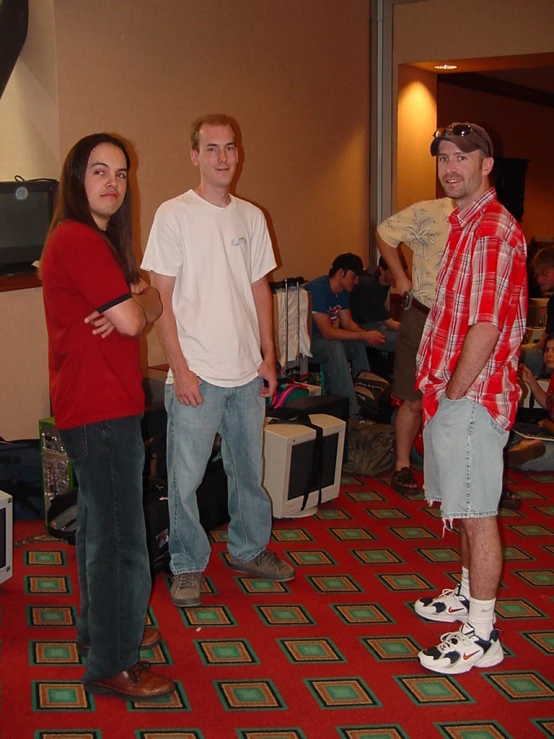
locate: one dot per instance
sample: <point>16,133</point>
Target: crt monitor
<point>6,536</point>
<point>26,209</point>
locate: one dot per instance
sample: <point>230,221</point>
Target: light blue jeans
<point>333,357</point>
<point>237,413</point>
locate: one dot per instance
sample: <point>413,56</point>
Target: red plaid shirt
<point>482,279</point>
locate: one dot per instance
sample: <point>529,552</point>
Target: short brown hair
<point>544,258</point>
<point>212,119</point>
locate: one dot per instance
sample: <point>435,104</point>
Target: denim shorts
<point>463,461</point>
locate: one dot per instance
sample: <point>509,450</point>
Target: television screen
<point>25,213</point>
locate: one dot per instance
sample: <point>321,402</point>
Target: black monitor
<point>26,210</point>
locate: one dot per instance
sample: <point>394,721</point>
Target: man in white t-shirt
<point>209,253</point>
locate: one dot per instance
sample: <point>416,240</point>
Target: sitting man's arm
<point>538,391</point>
<point>348,331</point>
<point>391,324</point>
<point>392,257</point>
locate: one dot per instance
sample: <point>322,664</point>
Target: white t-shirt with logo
<point>215,254</point>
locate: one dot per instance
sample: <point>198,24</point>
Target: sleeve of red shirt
<point>492,265</point>
<point>92,269</point>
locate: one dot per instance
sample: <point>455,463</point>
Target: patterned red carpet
<point>329,655</point>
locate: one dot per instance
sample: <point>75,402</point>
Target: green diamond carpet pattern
<point>331,654</point>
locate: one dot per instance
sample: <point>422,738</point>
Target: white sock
<point>481,616</point>
<point>464,585</point>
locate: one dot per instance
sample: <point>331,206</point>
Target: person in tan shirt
<point>423,227</point>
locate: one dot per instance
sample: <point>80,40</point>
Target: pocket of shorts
<point>496,426</point>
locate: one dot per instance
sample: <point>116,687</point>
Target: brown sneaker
<point>135,684</point>
<point>266,565</point>
<point>150,638</point>
<point>185,589</point>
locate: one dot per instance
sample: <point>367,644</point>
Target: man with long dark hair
<point>96,306</point>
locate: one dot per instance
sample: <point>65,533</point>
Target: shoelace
<point>266,556</point>
<point>448,593</point>
<point>136,671</point>
<point>453,638</point>
<point>187,579</point>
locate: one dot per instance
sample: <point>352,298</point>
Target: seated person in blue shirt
<point>367,304</point>
<point>336,337</point>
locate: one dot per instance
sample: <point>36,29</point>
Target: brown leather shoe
<point>135,684</point>
<point>150,638</point>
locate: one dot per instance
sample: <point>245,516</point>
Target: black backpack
<point>374,396</point>
<point>211,497</point>
<point>61,516</point>
<point>21,476</point>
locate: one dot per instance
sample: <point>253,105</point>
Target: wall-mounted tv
<point>26,209</point>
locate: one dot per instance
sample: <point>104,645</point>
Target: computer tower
<point>57,471</point>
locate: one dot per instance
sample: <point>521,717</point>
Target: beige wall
<point>29,136</point>
<point>29,146</point>
<point>437,30</point>
<point>294,74</point>
<point>464,29</point>
<point>417,116</point>
<point>23,364</point>
<point>515,127</point>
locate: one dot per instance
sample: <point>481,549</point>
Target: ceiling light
<point>446,66</point>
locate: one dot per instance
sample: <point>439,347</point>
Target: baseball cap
<point>467,137</point>
<point>349,261</point>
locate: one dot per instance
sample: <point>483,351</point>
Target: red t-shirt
<point>91,379</point>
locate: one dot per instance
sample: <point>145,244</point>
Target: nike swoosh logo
<point>454,610</point>
<point>469,656</point>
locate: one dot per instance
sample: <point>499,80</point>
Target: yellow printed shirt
<point>424,228</point>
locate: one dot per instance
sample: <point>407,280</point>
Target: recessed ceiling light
<point>446,66</point>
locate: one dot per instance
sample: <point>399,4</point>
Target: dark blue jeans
<point>112,556</point>
<point>334,356</point>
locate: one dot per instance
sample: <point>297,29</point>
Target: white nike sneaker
<point>461,650</point>
<point>449,606</point>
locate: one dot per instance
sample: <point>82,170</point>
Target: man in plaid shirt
<point>467,366</point>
